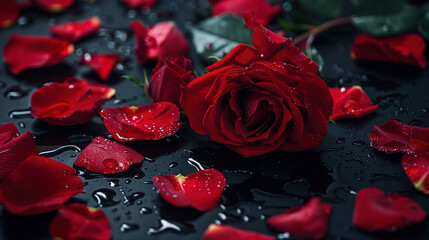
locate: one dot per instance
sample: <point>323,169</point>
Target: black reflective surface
<point>257,187</point>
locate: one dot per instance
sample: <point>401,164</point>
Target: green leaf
<point>315,56</point>
<point>323,8</point>
<point>217,36</point>
<point>423,26</point>
<point>385,17</point>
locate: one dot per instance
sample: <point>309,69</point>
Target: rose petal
<point>351,103</point>
<point>14,148</point>
<point>407,48</point>
<point>201,190</point>
<point>394,136</point>
<point>147,4</point>
<point>376,211</point>
<point>168,77</point>
<point>105,91</point>
<point>153,122</point>
<point>26,52</point>
<point>416,166</point>
<point>107,157</point>
<point>310,221</point>
<point>38,185</point>
<point>78,221</point>
<point>74,31</point>
<point>53,5</point>
<point>68,103</point>
<point>262,9</point>
<point>102,64</point>
<point>9,13</point>
<point>159,41</point>
<point>224,232</point>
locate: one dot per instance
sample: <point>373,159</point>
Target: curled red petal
<point>107,157</point>
<point>310,221</point>
<point>159,41</point>
<point>201,190</point>
<point>148,4</point>
<point>102,64</point>
<point>14,148</point>
<point>26,52</point>
<point>68,103</point>
<point>407,49</point>
<point>351,103</point>
<point>416,166</point>
<point>224,232</point>
<point>152,122</point>
<point>78,221</point>
<point>9,13</point>
<point>262,9</point>
<point>38,185</point>
<point>376,211</point>
<point>53,6</point>
<point>74,31</point>
<point>394,136</point>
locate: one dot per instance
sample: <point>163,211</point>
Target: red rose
<point>261,99</point>
<point>167,78</point>
<point>399,49</point>
<point>262,9</point>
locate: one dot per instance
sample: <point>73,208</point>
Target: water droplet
<point>173,164</point>
<point>150,41</point>
<point>164,226</point>
<point>124,100</point>
<point>21,124</point>
<point>110,163</point>
<point>104,197</point>
<point>129,200</point>
<point>127,227</point>
<point>127,181</point>
<point>15,92</point>
<point>209,47</point>
<point>60,150</point>
<point>145,210</point>
<point>114,183</point>
<point>358,143</point>
<point>24,113</point>
<point>341,140</point>
<point>138,175</point>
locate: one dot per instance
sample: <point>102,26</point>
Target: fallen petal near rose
<point>14,148</point>
<point>38,185</point>
<point>27,52</point>
<point>201,190</point>
<point>224,232</point>
<point>416,166</point>
<point>407,49</point>
<point>102,64</point>
<point>377,211</point>
<point>53,6</point>
<point>351,103</point>
<point>107,157</point>
<point>310,221</point>
<point>74,31</point>
<point>78,221</point>
<point>152,122</point>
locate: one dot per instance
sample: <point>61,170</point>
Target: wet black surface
<point>257,187</point>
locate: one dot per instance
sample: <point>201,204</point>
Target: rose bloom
<point>260,99</point>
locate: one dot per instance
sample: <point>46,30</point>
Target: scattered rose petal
<point>38,185</point>
<point>407,48</point>
<point>26,52</point>
<point>9,13</point>
<point>78,221</point>
<point>107,157</point>
<point>105,91</point>
<point>376,211</point>
<point>201,190</point>
<point>147,4</point>
<point>152,122</point>
<point>268,46</point>
<point>416,166</point>
<point>68,103</point>
<point>351,103</point>
<point>159,41</point>
<point>102,64</point>
<point>14,148</point>
<point>262,9</point>
<point>53,6</point>
<point>168,77</point>
<point>310,221</point>
<point>224,232</point>
<point>394,136</point>
<point>74,31</point>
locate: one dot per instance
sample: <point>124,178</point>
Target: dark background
<point>257,187</point>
